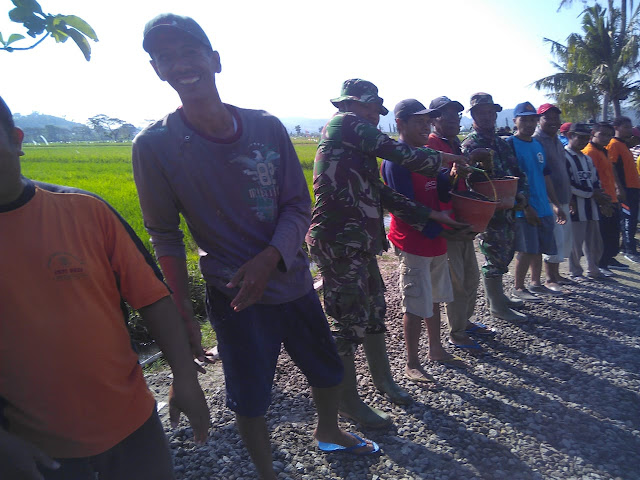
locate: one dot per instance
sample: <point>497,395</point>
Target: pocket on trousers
<point>411,284</point>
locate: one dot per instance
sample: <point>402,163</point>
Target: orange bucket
<point>474,211</point>
<point>502,190</point>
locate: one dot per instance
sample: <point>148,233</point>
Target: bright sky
<point>290,57</point>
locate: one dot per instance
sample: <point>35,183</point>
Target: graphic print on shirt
<point>260,168</point>
<point>66,266</point>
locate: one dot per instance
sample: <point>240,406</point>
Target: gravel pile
<point>555,397</point>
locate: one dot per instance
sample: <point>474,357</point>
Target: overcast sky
<point>291,57</point>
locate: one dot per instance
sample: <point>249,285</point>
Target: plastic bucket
<point>502,190</point>
<point>473,211</point>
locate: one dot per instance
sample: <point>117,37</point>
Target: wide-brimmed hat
<point>361,91</point>
<point>171,21</point>
<point>482,98</point>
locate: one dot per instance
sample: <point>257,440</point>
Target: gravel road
<point>555,397</point>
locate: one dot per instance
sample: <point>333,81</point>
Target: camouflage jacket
<point>505,162</point>
<point>349,193</point>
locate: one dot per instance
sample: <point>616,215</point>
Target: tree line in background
<point>99,128</point>
<point>599,67</point>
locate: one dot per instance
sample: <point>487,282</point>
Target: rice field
<point>105,169</point>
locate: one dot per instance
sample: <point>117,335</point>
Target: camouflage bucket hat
<point>359,90</point>
<point>482,98</point>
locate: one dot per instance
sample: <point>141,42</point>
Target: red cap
<point>635,131</point>
<point>545,107</point>
<point>564,128</point>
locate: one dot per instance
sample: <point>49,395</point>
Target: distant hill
<point>38,120</point>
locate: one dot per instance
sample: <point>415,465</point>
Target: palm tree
<point>601,63</point>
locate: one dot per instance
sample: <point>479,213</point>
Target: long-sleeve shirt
<point>349,193</point>
<point>237,196</point>
<point>584,180</point>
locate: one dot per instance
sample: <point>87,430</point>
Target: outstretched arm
<point>163,322</point>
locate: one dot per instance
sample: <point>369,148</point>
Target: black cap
<point>171,21</point>
<point>580,129</point>
<point>441,102</point>
<point>411,106</point>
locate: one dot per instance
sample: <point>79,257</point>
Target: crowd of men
<point>234,176</point>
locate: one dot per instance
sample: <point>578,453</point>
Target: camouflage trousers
<point>353,293</point>
<point>497,244</point>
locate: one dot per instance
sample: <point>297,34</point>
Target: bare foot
<point>420,376</point>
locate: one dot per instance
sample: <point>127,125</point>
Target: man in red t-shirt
<point>96,418</point>
<point>424,271</point>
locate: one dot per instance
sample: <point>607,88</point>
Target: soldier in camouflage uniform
<point>347,232</point>
<point>497,243</point>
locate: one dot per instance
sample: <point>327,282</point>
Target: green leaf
<point>60,33</point>
<point>82,42</point>
<point>20,15</point>
<point>80,25</point>
<point>30,5</point>
<point>14,38</point>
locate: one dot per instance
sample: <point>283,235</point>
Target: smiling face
<point>415,130</point>
<point>186,64</point>
<point>526,125</point>
<point>550,122</point>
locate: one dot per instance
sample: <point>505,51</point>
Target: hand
<point>483,158</point>
<point>445,219</point>
<point>561,218</point>
<point>531,216</point>
<point>622,195</point>
<point>194,334</point>
<point>253,277</point>
<point>458,235</point>
<point>188,398</point>
<point>19,459</point>
<point>449,160</point>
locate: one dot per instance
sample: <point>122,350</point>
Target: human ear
<point>18,137</point>
<point>216,59</point>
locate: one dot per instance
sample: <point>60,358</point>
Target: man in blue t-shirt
<point>534,224</point>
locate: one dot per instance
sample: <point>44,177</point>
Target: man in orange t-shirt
<point>625,167</point>
<point>74,404</point>
<point>601,135</point>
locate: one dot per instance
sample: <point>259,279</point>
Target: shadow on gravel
<point>478,450</point>
<point>538,407</point>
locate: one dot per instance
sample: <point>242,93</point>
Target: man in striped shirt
<point>586,195</point>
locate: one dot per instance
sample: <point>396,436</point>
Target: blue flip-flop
<point>479,326</point>
<point>333,447</point>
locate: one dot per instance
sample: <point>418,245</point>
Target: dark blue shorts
<point>536,239</point>
<point>249,344</point>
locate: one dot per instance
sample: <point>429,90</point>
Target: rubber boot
<point>352,406</point>
<point>496,299</point>
<point>375,349</point>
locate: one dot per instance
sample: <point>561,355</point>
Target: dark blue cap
<point>525,109</point>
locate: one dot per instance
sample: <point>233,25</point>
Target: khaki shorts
<point>423,282</point>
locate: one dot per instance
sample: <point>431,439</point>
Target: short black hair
<point>620,120</point>
<point>6,118</point>
<point>600,126</point>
